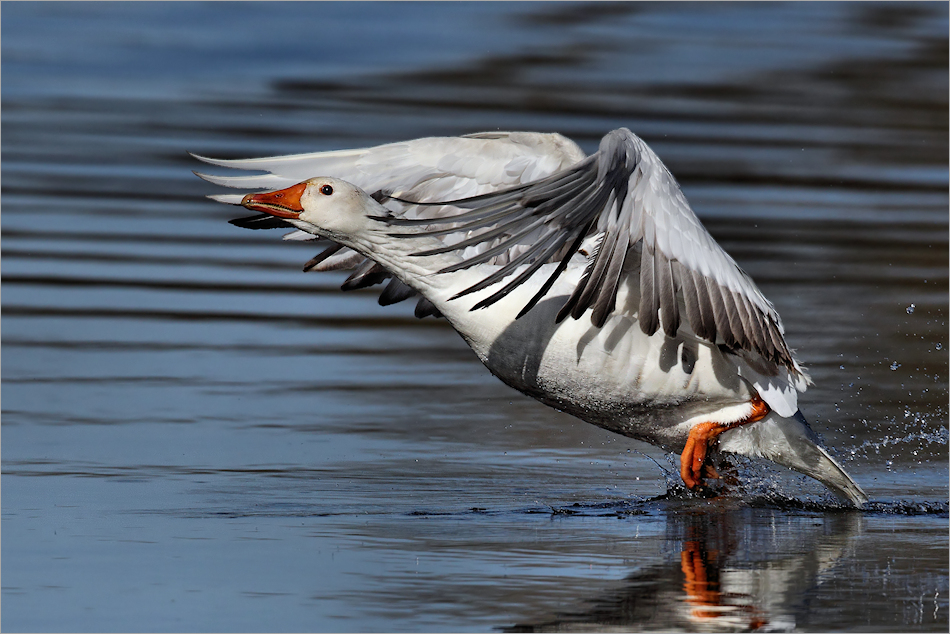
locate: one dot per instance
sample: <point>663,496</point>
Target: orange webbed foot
<point>702,436</point>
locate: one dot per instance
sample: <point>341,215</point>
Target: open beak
<point>284,203</point>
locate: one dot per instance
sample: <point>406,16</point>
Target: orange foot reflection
<point>699,590</point>
<point>703,590</point>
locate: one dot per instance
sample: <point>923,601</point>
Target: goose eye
<point>326,190</point>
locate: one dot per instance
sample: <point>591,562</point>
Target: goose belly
<point>648,387</point>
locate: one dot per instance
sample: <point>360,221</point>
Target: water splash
<point>940,436</point>
<point>677,496</point>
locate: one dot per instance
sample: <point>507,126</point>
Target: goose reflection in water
<point>736,571</point>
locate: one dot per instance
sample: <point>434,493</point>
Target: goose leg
<point>702,436</point>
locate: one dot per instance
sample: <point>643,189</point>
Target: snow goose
<point>586,282</point>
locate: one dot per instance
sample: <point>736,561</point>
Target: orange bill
<point>284,203</point>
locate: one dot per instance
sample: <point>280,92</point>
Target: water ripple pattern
<point>198,436</point>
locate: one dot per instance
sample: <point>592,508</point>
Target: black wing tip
<point>425,308</point>
<point>368,274</point>
<point>320,257</point>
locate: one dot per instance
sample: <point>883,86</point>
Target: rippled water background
<point>197,436</point>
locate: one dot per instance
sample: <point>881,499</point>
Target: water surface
<point>197,436</point>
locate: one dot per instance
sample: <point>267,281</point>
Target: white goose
<point>585,282</point>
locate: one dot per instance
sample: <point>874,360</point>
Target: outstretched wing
<point>438,167</point>
<point>435,168</point>
<point>626,197</point>
<point>428,168</point>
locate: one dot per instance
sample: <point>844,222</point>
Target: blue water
<point>197,436</point>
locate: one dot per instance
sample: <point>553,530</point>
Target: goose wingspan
<point>626,199</point>
<point>437,167</point>
<point>428,168</point>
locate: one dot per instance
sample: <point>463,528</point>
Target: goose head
<point>324,206</point>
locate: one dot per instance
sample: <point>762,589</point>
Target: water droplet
<point>841,367</point>
<point>895,365</point>
<point>910,309</point>
<point>939,346</point>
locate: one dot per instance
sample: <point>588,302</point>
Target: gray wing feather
<point>368,274</point>
<point>395,292</point>
<point>322,256</point>
<point>649,299</point>
<point>624,194</point>
<point>425,308</point>
<point>727,323</point>
<point>666,290</point>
